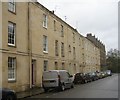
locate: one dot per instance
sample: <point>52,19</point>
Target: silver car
<point>60,79</point>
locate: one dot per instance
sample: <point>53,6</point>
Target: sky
<point>99,17</point>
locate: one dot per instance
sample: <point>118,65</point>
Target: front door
<point>33,69</point>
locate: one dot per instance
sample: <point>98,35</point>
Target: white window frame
<point>11,68</point>
<point>45,66</point>
<point>45,20</point>
<point>12,5</point>
<point>13,26</point>
<point>56,48</point>
<point>45,44</point>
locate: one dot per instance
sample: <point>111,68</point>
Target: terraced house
<point>33,39</point>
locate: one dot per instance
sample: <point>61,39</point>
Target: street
<point>102,88</point>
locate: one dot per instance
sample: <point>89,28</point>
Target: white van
<point>57,79</point>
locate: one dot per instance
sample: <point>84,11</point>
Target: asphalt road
<point>103,88</point>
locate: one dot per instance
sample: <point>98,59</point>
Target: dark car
<point>79,78</point>
<point>88,78</point>
<point>93,76</point>
<point>7,94</point>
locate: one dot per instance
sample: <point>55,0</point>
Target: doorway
<point>33,72</point>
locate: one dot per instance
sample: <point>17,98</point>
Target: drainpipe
<point>29,47</point>
<point>1,73</point>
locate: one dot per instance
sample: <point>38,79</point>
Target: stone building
<point>101,47</point>
<point>33,39</point>
<point>91,55</point>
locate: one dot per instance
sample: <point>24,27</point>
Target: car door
<point>70,80</point>
<point>64,78</point>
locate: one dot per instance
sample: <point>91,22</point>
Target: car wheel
<point>62,87</point>
<point>45,89</point>
<point>86,81</point>
<point>9,97</point>
<point>72,86</point>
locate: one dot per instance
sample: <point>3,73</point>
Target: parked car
<point>7,94</point>
<point>98,75</point>
<point>93,76</point>
<point>108,72</point>
<point>79,78</point>
<point>105,73</point>
<point>87,78</point>
<point>60,79</point>
<point>102,74</point>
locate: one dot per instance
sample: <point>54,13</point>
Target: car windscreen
<point>50,75</point>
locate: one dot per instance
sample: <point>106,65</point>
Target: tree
<point>113,60</point>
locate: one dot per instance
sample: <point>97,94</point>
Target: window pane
<point>62,33</point>
<point>11,5</point>
<point>11,68</point>
<point>10,0</point>
<point>44,20</point>
<point>54,25</point>
<point>56,48</point>
<point>62,49</point>
<point>45,44</point>
<point>11,33</point>
<point>45,65</point>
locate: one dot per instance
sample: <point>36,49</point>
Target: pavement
<point>30,92</point>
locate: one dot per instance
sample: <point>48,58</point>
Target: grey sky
<point>99,17</point>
